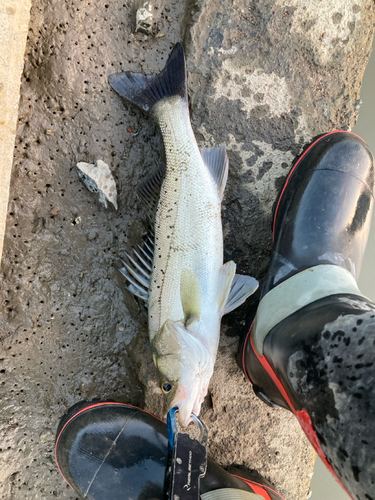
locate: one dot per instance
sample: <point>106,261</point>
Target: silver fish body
<point>188,248</point>
<point>189,287</point>
<point>188,230</point>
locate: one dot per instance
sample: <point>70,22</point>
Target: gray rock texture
<point>265,76</point>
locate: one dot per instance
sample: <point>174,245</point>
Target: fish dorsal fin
<point>190,296</point>
<point>226,275</point>
<point>217,162</point>
<point>137,268</point>
<point>242,287</point>
<point>148,191</point>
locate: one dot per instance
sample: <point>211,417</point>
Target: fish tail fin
<point>146,90</point>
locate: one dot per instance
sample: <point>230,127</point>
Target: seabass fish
<point>179,271</point>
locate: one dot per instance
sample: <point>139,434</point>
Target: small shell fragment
<point>98,178</point>
<point>54,211</point>
<point>144,18</point>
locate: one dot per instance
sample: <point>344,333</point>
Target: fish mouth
<point>184,417</point>
<point>187,404</point>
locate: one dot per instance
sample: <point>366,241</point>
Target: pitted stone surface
<point>263,79</point>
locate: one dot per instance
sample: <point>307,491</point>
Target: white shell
<point>98,178</point>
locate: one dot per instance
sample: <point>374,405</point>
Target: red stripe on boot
<point>302,416</point>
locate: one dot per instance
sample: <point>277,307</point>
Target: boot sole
<point>250,478</point>
<point>79,408</point>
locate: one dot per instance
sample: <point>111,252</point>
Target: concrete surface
<point>14,23</point>
<point>265,78</point>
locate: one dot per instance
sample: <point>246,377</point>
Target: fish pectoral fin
<point>190,296</point>
<point>216,160</point>
<point>191,320</point>
<point>226,275</point>
<point>242,287</point>
<point>148,190</point>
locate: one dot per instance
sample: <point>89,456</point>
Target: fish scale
<point>191,206</point>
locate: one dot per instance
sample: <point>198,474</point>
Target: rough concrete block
<point>264,77</point>
<point>14,23</point>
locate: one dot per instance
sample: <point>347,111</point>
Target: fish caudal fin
<point>137,269</point>
<point>216,160</point>
<point>146,90</point>
<point>242,287</point>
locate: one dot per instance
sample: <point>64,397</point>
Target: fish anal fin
<point>226,275</point>
<point>148,191</point>
<point>216,160</point>
<point>137,269</point>
<point>242,287</point>
<point>190,296</point>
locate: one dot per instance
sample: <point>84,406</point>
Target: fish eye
<point>165,386</point>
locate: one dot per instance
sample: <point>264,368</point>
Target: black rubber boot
<point>311,347</point>
<point>108,450</point>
